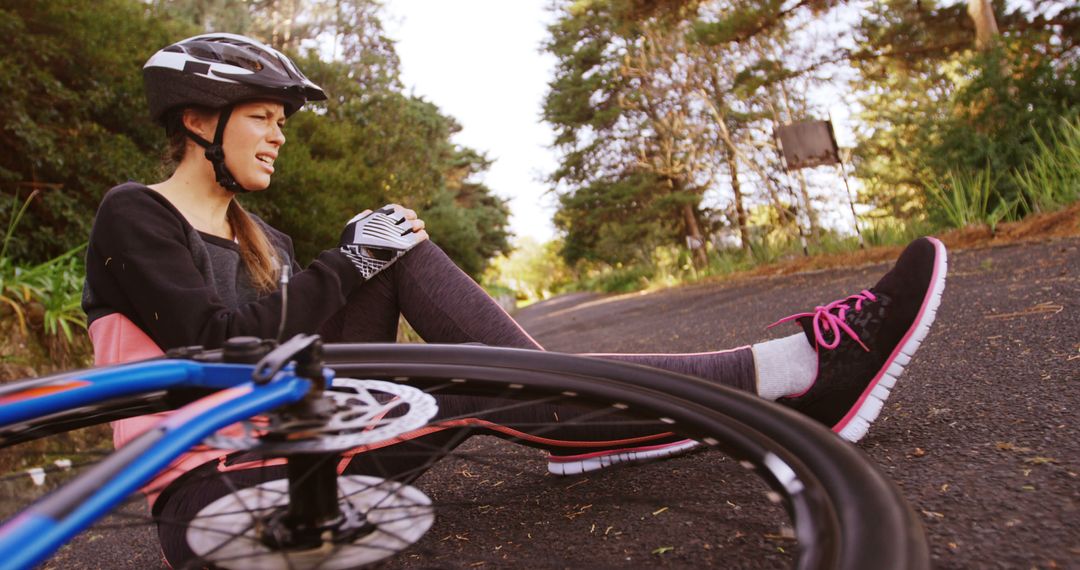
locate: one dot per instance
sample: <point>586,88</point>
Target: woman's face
<point>252,140</point>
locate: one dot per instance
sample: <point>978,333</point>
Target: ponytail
<point>259,256</point>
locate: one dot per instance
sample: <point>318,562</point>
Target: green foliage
<point>74,123</point>
<point>729,261</point>
<point>894,231</point>
<point>72,113</point>
<point>370,146</point>
<point>57,285</point>
<point>655,104</point>
<point>615,221</point>
<point>965,199</point>
<point>471,236</point>
<point>770,248</point>
<point>625,129</point>
<point>1052,178</point>
<point>998,118</point>
<point>533,271</point>
<point>14,292</point>
<point>742,22</point>
<point>47,294</point>
<point>617,279</point>
<point>665,266</point>
<point>934,110</point>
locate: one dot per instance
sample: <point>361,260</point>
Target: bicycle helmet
<point>217,71</point>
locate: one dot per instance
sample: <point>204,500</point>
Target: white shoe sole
<point>578,464</point>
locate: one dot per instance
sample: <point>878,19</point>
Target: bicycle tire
<point>845,513</point>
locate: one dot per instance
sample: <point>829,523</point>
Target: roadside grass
<point>882,245</point>
<point>41,326</point>
<point>672,267</point>
<point>1052,180</point>
<point>966,199</point>
<point>1064,222</point>
<point>42,303</point>
<point>1049,182</point>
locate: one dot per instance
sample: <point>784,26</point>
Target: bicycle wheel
<point>840,510</point>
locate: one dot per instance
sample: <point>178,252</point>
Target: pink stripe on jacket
<point>118,340</point>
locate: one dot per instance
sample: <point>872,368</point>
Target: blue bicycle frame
<point>35,533</point>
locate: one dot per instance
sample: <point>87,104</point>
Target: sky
<point>480,62</point>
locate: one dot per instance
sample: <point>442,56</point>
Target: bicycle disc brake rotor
<point>226,532</point>
<point>361,412</point>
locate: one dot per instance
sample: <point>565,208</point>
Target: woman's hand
<point>372,240</point>
<point>410,217</point>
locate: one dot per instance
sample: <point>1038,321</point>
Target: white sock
<point>785,366</point>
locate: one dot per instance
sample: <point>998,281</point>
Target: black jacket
<point>183,287</point>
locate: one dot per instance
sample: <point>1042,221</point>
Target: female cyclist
<point>180,263</point>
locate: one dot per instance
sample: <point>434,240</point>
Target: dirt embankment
<point>1065,223</point>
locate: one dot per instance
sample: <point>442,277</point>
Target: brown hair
<point>258,254</point>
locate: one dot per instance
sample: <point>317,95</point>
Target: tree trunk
<point>771,186</point>
<point>740,210</point>
<point>986,30</point>
<point>693,236</point>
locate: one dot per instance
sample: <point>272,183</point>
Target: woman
<point>180,263</point>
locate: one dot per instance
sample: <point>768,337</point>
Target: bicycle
<point>307,404</point>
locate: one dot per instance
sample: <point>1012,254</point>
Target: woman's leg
<point>838,371</point>
<point>445,305</point>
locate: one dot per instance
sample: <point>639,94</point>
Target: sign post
<point>809,144</point>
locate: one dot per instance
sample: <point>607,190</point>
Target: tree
<point>371,146</point>
<point>665,126</point>
<point>934,106</point>
<point>654,102</point>
<point>622,104</point>
<point>73,121</point>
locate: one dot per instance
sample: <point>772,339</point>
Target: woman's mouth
<point>267,161</point>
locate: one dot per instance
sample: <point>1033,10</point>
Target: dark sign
<point>808,144</point>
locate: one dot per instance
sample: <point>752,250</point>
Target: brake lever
<point>306,350</point>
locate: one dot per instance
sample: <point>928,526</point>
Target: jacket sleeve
<point>140,264</point>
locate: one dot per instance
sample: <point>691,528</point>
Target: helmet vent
<point>196,67</point>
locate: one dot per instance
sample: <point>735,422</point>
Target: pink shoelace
<point>833,323</point>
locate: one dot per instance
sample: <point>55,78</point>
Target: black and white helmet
<point>217,70</point>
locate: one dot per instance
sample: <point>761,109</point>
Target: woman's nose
<point>277,135</point>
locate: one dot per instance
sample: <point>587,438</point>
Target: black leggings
<point>445,305</point>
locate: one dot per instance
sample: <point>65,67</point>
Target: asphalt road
<point>980,435</point>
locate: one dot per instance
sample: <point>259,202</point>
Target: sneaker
<point>596,460</point>
<point>864,342</point>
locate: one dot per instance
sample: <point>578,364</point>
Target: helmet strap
<point>215,152</point>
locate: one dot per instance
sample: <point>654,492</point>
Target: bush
<point>1052,179</point>
<point>619,279</point>
<point>966,200</point>
<point>45,297</point>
